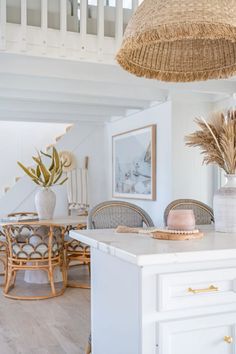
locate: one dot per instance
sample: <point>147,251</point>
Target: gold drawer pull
<point>228,339</point>
<point>207,290</point>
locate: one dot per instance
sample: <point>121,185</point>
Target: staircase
<point>15,194</point>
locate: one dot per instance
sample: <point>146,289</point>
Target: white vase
<point>45,202</point>
<point>224,206</point>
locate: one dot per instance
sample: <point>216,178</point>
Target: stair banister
<point>63,24</point>
<point>23,25</point>
<point>69,44</point>
<point>3,20</point>
<point>83,24</point>
<point>100,27</point>
<point>119,22</point>
<point>44,24</point>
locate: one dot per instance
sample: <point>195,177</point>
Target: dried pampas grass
<point>217,140</point>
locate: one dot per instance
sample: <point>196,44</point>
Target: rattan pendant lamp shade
<point>181,40</point>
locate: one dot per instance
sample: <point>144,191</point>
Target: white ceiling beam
<point>67,69</point>
<point>14,105</point>
<point>98,72</point>
<point>50,117</point>
<point>87,88</point>
<point>47,96</point>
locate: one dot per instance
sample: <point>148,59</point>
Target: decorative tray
<point>176,235</point>
<point>162,234</point>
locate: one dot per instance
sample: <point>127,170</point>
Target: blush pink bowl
<point>181,219</point>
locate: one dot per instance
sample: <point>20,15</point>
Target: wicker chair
<point>77,254</point>
<point>3,258</point>
<point>109,215</point>
<point>203,213</point>
<point>3,244</point>
<point>43,249</point>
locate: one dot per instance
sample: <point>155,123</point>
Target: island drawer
<point>196,289</point>
<point>206,335</point>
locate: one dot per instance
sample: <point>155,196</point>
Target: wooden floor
<point>55,326</point>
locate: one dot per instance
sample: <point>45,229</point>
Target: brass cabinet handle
<point>211,288</point>
<point>228,339</point>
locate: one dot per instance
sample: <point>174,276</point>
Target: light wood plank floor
<point>56,326</point>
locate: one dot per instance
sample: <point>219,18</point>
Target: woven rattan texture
<point>110,214</point>
<point>39,241</point>
<point>202,212</point>
<point>183,40</point>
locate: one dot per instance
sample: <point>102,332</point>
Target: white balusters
<point>44,24</point>
<point>43,42</point>
<point>63,24</point>
<point>100,27</point>
<point>83,24</point>
<point>119,22</point>
<point>23,25</point>
<point>3,20</point>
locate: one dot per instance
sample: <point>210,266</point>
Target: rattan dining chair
<point>202,212</point>
<point>3,245</point>
<point>109,215</point>
<point>42,249</point>
<point>3,256</point>
<point>77,254</point>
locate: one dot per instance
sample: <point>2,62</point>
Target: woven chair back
<point>40,241</point>
<point>110,214</point>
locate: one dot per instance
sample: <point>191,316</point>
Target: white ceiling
<point>43,89</point>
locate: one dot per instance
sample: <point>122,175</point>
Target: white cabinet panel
<point>196,289</point>
<point>204,335</point>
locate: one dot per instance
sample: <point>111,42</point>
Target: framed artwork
<point>134,164</point>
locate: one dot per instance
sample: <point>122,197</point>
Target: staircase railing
<point>77,29</point>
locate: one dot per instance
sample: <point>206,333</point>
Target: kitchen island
<point>162,297</point>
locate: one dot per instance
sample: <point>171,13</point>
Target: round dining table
<point>69,222</point>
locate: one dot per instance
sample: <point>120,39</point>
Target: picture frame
<point>134,164</point>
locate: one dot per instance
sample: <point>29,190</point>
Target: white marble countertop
<point>144,250</point>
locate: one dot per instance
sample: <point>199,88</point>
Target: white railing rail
<point>79,43</point>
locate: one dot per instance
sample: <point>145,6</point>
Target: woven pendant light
<point>181,40</point>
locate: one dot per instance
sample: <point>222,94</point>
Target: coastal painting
<point>134,164</point>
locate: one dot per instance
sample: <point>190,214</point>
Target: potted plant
<point>45,176</point>
<point>217,140</point>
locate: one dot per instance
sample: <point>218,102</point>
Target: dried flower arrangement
<point>217,140</point>
<point>46,176</point>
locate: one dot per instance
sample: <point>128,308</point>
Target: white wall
<point>19,141</point>
<point>87,139</point>
<point>190,178</point>
<point>161,116</point>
